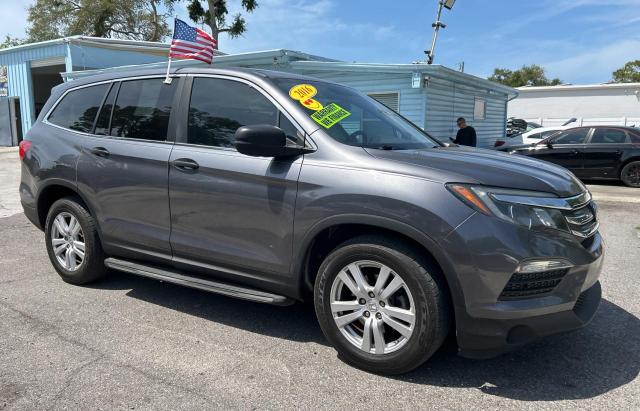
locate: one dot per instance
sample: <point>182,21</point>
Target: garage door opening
<point>44,79</point>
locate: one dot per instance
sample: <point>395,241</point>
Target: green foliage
<point>533,75</point>
<point>11,42</point>
<point>125,19</point>
<point>218,9</point>
<point>629,73</point>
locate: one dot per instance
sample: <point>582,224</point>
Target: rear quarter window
<point>78,108</point>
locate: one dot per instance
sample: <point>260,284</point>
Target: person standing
<point>466,135</point>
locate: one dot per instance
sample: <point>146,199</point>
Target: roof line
<point>435,70</point>
<point>563,87</point>
<point>226,58</point>
<point>98,41</point>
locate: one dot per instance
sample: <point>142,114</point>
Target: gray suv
<point>272,187</point>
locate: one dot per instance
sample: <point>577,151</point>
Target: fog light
<point>536,266</point>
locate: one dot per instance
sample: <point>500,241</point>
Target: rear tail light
<point>499,143</point>
<point>24,146</point>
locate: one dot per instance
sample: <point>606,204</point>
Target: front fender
<point>303,244</point>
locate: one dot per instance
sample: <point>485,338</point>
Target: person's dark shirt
<point>466,137</point>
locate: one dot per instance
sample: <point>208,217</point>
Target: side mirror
<point>264,141</point>
<point>549,144</point>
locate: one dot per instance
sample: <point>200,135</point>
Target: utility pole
<point>437,25</point>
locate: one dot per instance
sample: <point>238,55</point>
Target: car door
<point>122,171</point>
<point>565,149</point>
<point>231,213</point>
<point>603,152</point>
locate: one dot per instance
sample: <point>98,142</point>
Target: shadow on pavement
<point>601,357</point>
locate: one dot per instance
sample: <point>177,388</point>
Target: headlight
<point>530,209</point>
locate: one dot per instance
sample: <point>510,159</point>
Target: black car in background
<point>595,152</point>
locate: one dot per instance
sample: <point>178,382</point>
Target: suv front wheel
<point>381,305</point>
<point>72,242</point>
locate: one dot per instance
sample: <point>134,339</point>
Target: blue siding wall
<point>448,100</point>
<point>19,74</point>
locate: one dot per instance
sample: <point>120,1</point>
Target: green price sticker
<point>330,115</point>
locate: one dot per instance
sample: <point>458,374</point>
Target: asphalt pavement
<point>135,343</point>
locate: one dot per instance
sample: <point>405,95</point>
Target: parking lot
<point>135,343</point>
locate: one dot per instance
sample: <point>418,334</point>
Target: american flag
<point>191,43</point>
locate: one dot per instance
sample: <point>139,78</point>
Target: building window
<point>479,109</point>
<point>389,99</point>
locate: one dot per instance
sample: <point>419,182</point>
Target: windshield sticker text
<point>330,115</point>
<point>304,94</point>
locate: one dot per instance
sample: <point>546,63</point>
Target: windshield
<point>353,118</point>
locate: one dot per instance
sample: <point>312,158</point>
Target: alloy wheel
<point>372,307</point>
<point>632,175</point>
<point>67,240</point>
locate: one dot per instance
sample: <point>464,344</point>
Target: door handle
<point>100,152</point>
<point>185,164</point>
<point>574,152</point>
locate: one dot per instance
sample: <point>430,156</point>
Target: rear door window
<point>78,109</point>
<point>104,118</point>
<point>142,109</point>
<point>609,136</point>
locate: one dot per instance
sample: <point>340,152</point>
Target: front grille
<point>523,285</point>
<point>583,220</point>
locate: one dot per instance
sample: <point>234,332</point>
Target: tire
<point>89,267</point>
<point>423,293</point>
<point>630,174</point>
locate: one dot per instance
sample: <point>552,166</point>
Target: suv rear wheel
<point>380,305</point>
<point>72,242</point>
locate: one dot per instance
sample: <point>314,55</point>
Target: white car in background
<point>536,135</point>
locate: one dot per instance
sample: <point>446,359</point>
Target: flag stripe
<point>198,46</point>
<point>204,34</point>
<point>191,48</point>
<point>188,51</point>
<point>192,56</point>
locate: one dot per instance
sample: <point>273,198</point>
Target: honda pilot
<point>276,188</point>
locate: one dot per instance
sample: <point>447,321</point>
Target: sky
<point>578,41</point>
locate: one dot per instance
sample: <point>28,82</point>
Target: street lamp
<point>448,4</point>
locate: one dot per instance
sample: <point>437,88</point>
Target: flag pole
<point>167,79</point>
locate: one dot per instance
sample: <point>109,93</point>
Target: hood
<point>488,167</point>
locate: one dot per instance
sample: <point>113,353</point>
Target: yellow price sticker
<point>302,92</point>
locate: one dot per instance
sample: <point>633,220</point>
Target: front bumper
<point>481,338</point>
<point>487,252</point>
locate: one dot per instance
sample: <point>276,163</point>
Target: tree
<point>215,16</point>
<point>629,73</point>
<point>533,75</point>
<point>11,42</point>
<point>125,19</point>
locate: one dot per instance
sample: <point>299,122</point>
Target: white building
<point>607,104</point>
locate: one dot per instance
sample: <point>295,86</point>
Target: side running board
<point>197,282</point>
